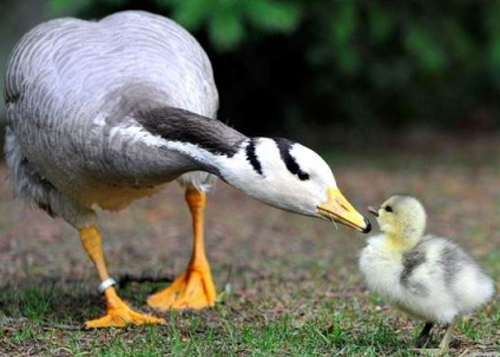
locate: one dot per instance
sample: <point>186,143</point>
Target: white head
<point>290,176</point>
<point>402,218</point>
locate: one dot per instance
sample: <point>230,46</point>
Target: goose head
<point>402,219</point>
<point>275,171</point>
<point>291,177</point>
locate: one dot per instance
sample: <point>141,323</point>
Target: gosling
<point>431,278</point>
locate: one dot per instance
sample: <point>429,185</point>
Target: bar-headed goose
<point>103,113</point>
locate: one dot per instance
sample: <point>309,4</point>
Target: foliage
<point>409,59</point>
<point>364,63</point>
<point>227,21</point>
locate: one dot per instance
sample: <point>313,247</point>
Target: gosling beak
<point>373,210</point>
<point>338,209</point>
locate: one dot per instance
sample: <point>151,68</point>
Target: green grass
<point>47,321</point>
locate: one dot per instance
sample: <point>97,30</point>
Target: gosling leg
<point>423,338</point>
<point>443,346</point>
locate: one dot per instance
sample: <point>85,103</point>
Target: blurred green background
<point>331,69</point>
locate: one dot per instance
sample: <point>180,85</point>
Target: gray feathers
<point>29,185</point>
<point>452,259</point>
<point>444,263</point>
<point>411,261</point>
<point>71,90</point>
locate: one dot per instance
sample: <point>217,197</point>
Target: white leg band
<point>106,284</point>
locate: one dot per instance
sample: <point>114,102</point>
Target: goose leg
<point>193,289</point>
<point>118,314</point>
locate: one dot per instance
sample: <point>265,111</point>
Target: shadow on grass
<point>53,301</point>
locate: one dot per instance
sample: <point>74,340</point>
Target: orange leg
<point>193,289</point>
<point>119,314</point>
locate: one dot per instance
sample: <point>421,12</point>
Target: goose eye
<point>388,208</point>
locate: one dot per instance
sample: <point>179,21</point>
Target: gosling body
<point>437,280</point>
<point>431,278</point>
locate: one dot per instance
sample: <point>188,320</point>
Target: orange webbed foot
<point>120,315</point>
<point>194,289</point>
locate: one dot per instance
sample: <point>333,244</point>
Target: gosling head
<point>402,218</point>
<point>292,177</point>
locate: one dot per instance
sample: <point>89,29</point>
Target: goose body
<point>103,113</point>
<point>429,277</point>
<point>71,90</point>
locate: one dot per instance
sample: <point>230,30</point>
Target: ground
<point>289,285</point>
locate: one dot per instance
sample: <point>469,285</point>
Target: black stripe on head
<point>284,146</point>
<point>184,126</point>
<point>252,157</point>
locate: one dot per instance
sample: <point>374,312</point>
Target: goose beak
<point>338,209</point>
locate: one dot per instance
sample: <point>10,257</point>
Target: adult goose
<point>103,113</point>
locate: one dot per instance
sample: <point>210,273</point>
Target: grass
<point>291,284</point>
<point>33,323</point>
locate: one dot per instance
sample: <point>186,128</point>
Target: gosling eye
<point>388,208</point>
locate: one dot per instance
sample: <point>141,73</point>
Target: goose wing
<point>71,85</point>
